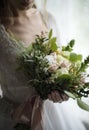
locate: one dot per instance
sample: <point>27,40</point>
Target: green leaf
<point>84,65</point>
<point>65,76</point>
<point>53,44</point>
<point>50,34</point>
<point>73,57</point>
<point>79,57</point>
<point>70,94</point>
<point>82,105</point>
<point>71,44</point>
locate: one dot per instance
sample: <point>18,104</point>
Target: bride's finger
<point>58,97</point>
<point>49,97</point>
<point>64,97</point>
<point>53,96</point>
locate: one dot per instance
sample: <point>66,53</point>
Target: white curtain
<point>72,20</point>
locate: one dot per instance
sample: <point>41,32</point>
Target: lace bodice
<point>13,82</point>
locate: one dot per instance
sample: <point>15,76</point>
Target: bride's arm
<point>21,113</point>
<point>7,46</point>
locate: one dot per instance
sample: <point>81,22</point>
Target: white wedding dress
<point>55,116</point>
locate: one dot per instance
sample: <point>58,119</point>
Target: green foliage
<point>50,34</point>
<point>84,65</point>
<point>70,94</point>
<point>75,57</point>
<point>53,44</point>
<point>82,105</point>
<point>69,46</point>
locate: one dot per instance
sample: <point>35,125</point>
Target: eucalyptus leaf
<point>71,44</point>
<point>53,44</point>
<point>84,65</point>
<point>79,57</point>
<point>82,104</point>
<point>50,34</point>
<point>73,57</point>
<point>70,94</point>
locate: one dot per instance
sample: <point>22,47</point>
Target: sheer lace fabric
<point>13,82</point>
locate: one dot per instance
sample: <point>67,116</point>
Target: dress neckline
<point>13,37</point>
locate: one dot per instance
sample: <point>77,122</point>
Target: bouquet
<point>50,67</point>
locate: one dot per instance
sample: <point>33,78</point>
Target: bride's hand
<point>55,96</point>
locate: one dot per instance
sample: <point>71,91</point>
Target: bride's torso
<point>13,82</point>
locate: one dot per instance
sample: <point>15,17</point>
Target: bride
<point>20,106</point>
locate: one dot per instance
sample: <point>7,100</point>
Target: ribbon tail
<point>36,120</point>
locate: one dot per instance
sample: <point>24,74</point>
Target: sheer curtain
<point>72,21</point>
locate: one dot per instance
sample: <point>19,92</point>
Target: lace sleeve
<point>7,44</point>
<point>9,47</point>
<point>9,51</point>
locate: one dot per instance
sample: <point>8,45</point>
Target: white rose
<point>51,58</point>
